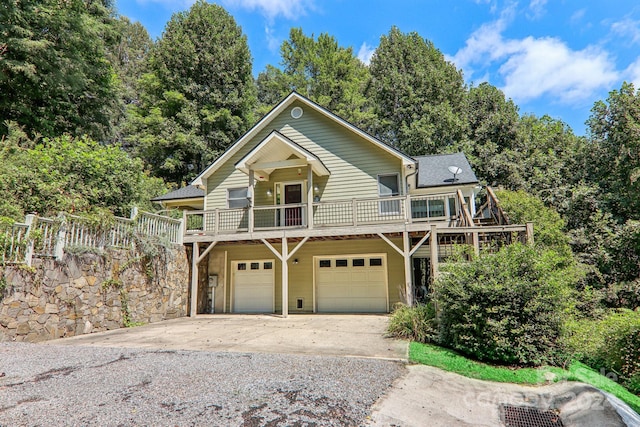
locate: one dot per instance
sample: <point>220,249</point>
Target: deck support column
<point>309,196</point>
<point>285,277</point>
<point>476,243</point>
<point>251,200</point>
<point>530,233</point>
<point>193,302</point>
<point>408,277</point>
<point>433,246</point>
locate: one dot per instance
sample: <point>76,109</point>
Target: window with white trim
<point>389,186</point>
<point>237,198</point>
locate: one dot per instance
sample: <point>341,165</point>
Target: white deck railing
<point>334,213</point>
<point>41,237</point>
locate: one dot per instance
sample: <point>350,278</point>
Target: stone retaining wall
<point>91,293</point>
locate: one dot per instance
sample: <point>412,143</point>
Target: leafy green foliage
<point>548,225</point>
<point>614,127</point>
<point>506,307</point>
<point>419,97</point>
<point>197,97</point>
<point>417,323</point>
<point>54,76</point>
<point>72,175</point>
<point>611,343</point>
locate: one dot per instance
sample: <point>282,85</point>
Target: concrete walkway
<point>314,334</point>
<point>430,396</point>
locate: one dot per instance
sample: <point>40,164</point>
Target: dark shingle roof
<point>433,171</point>
<point>188,192</point>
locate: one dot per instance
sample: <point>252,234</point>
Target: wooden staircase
<point>490,213</point>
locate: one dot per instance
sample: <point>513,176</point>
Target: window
<point>358,262</point>
<point>436,208</point>
<point>375,262</point>
<point>452,207</point>
<point>324,263</point>
<point>268,266</point>
<point>237,198</point>
<point>389,186</point>
<point>255,266</point>
<point>242,266</point>
<point>342,263</point>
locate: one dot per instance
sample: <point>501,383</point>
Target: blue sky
<point>551,57</point>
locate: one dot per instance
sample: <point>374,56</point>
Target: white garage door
<point>351,284</point>
<point>253,286</point>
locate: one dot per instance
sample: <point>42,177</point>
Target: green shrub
<point>416,323</point>
<point>611,344</point>
<point>507,307</point>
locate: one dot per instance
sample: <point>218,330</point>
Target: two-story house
<point>307,213</point>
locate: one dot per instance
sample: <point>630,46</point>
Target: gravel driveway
<point>48,385</point>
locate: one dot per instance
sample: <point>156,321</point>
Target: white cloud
<point>537,7</point>
<point>273,42</point>
<point>627,28</point>
<point>533,67</point>
<point>290,9</point>
<point>365,53</point>
<point>632,73</point>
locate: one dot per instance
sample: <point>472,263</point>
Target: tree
<point>198,95</point>
<point>127,55</point>
<point>493,126</point>
<point>70,174</point>
<point>614,131</point>
<point>54,77</point>
<point>321,70</point>
<point>419,96</point>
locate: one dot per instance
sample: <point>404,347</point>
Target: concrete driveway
<point>313,334</point>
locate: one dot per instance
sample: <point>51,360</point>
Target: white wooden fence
<point>40,237</point>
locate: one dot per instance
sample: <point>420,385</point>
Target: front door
<point>292,195</point>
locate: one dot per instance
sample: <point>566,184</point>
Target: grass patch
<point>449,360</point>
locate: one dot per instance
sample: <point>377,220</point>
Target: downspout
<point>406,178</point>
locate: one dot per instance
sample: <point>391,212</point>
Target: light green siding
<point>301,274</point>
<point>353,162</point>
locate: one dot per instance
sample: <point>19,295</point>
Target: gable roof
<point>277,146</point>
<point>188,192</point>
<point>433,171</point>
<point>264,122</point>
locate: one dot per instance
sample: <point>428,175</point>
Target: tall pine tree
<point>198,95</point>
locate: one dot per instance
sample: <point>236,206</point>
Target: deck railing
<point>334,213</point>
<point>40,237</point>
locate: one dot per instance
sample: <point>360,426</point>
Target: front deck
<point>439,221</point>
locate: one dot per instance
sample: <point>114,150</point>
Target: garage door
<point>253,286</point>
<point>351,284</point>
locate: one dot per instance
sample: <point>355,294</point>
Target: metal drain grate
<point>526,416</point>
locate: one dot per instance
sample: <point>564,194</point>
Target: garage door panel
<point>354,288</point>
<point>253,288</point>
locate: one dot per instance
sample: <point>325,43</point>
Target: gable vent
<point>296,112</point>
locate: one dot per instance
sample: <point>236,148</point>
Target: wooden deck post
<point>251,201</point>
<point>285,277</point>
<point>309,196</point>
<point>408,277</point>
<point>193,302</point>
<point>476,243</point>
<point>530,240</point>
<point>433,246</point>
